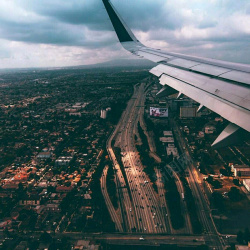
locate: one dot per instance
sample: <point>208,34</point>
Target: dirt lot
<point>236,215</point>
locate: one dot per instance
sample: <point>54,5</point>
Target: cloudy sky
<point>42,33</point>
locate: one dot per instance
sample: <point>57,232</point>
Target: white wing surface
<point>223,87</point>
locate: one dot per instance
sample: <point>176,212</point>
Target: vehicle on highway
<point>141,238</point>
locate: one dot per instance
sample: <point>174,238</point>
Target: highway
<point>163,202</point>
<point>146,206</point>
<point>153,240</point>
<point>122,238</point>
<point>128,218</point>
<point>141,206</point>
<point>188,227</point>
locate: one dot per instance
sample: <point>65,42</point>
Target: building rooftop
<point>167,133</point>
<point>172,151</point>
<point>166,139</point>
<point>240,166</point>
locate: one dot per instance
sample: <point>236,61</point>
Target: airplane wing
<point>223,87</point>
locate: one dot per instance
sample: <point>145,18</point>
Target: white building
<point>103,114</point>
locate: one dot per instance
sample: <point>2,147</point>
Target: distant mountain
<point>119,63</point>
<point>141,63</point>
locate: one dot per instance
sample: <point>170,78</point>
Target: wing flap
<point>183,63</point>
<point>237,76</point>
<point>234,94</point>
<point>235,115</point>
<point>208,92</point>
<point>209,69</point>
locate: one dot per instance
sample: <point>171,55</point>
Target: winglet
<point>123,32</point>
<point>228,136</point>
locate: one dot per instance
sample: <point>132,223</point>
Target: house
<point>52,208</point>
<point>63,160</point>
<point>86,244</point>
<point>168,133</point>
<point>172,151</point>
<point>167,139</point>
<point>10,186</point>
<point>240,247</point>
<point>209,129</point>
<point>22,245</point>
<point>63,189</point>
<point>44,155</point>
<point>32,200</point>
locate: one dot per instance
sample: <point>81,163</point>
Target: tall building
<point>103,114</point>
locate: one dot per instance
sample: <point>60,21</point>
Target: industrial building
<point>241,170</point>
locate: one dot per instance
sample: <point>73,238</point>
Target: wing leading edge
<point>223,87</point>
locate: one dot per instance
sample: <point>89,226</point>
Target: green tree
<point>236,182</point>
<point>20,187</point>
<point>218,200</point>
<point>240,237</point>
<point>45,237</point>
<point>234,194</point>
<point>246,235</point>
<point>210,179</point>
<point>216,184</point>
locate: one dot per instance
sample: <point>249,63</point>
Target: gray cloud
<point>219,28</point>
